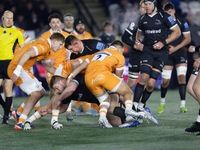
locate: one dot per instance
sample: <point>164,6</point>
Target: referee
<point>9,37</point>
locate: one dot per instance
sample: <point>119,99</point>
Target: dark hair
<point>168,6</point>
<point>107,23</point>
<point>54,79</point>
<point>117,43</point>
<point>58,36</point>
<point>69,40</point>
<point>55,15</point>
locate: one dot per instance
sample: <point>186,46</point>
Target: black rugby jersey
<point>155,27</point>
<point>91,46</point>
<point>129,35</point>
<point>184,27</point>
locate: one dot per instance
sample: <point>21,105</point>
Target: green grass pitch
<point>84,133</point>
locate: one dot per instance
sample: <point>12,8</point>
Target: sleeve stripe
<point>187,32</point>
<point>36,50</point>
<point>46,61</point>
<point>129,32</point>
<point>173,26</point>
<point>120,68</point>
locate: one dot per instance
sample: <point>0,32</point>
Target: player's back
<point>106,60</point>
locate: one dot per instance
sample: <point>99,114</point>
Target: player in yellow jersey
<point>81,34</point>
<point>19,71</point>
<point>99,77</point>
<point>9,36</point>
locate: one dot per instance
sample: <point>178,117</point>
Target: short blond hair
<point>141,2</point>
<point>58,36</point>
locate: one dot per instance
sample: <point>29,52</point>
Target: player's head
<point>142,7</point>
<point>73,44</point>
<point>57,83</point>
<point>68,20</point>
<point>79,25</point>
<point>55,21</point>
<point>150,6</point>
<point>119,45</point>
<point>7,19</point>
<point>169,8</point>
<point>57,41</point>
<point>108,26</point>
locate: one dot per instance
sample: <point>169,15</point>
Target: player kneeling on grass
<point>99,77</point>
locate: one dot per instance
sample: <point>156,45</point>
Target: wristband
<point>164,42</point>
<point>71,76</point>
<point>17,70</point>
<point>193,49</point>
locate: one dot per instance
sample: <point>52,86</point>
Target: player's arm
<point>25,57</point>
<point>187,40</point>
<point>119,73</point>
<point>48,66</point>
<point>78,69</point>
<point>138,45</point>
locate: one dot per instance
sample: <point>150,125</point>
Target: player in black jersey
<point>178,58</point>
<point>83,47</point>
<point>153,26</point>
<point>128,38</point>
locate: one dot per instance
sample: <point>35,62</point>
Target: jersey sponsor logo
<point>158,22</point>
<point>98,78</point>
<point>129,65</point>
<point>100,46</point>
<point>132,25</point>
<point>182,59</point>
<point>145,22</point>
<point>162,64</point>
<point>42,48</point>
<point>186,25</point>
<point>171,20</point>
<point>152,31</point>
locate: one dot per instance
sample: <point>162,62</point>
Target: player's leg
<point>166,76</point>
<point>196,126</point>
<point>190,83</point>
<point>181,70</point>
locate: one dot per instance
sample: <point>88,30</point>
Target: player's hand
<point>158,45</point>
<point>14,77</point>
<point>171,49</point>
<point>67,59</point>
<point>138,45</point>
<point>53,60</point>
<point>196,64</point>
<point>191,49</point>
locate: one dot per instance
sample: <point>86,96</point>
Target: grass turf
<point>84,132</point>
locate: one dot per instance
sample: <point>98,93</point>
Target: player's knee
<point>145,69</point>
<point>42,93</point>
<point>166,74</point>
<point>35,94</point>
<point>102,98</point>
<point>165,83</point>
<point>150,86</point>
<point>154,74</point>
<point>181,70</point>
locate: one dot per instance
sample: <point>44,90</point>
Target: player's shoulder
<point>65,33</point>
<point>180,19</point>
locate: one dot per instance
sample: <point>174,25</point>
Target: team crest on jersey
<point>171,20</point>
<point>132,25</point>
<point>100,46</point>
<point>158,22</point>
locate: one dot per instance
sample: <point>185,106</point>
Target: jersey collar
<point>49,41</point>
<point>152,15</point>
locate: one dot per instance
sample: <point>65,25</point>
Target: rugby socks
<point>22,118</point>
<point>37,106</point>
<point>8,104</point>
<point>34,117</point>
<point>20,109</point>
<point>69,109</point>
<point>102,112</point>
<point>86,105</point>
<point>182,92</point>
<point>2,102</point>
<point>120,112</point>
<point>145,96</point>
<point>163,91</point>
<point>55,114</point>
<point>138,92</point>
<point>162,100</point>
<point>128,104</point>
